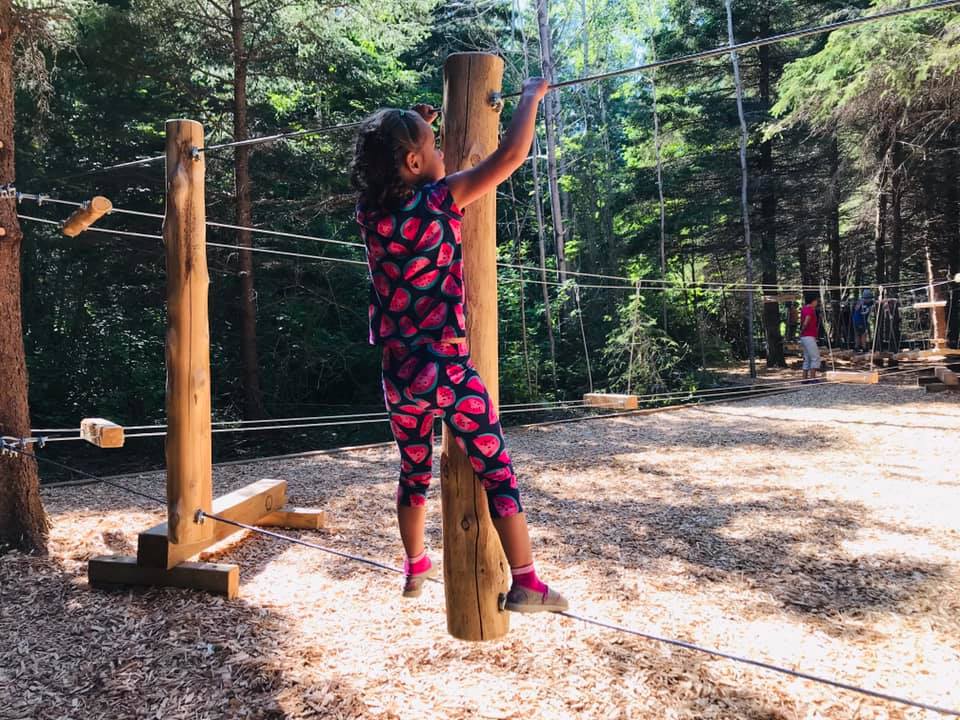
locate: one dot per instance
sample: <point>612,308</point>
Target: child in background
<point>409,214</point>
<point>861,320</point>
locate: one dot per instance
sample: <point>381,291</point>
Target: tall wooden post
<point>938,309</point>
<point>189,458</point>
<point>474,567</point>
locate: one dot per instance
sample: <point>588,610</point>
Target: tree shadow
<point>782,545</point>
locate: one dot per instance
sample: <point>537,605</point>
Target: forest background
<point>854,176</point>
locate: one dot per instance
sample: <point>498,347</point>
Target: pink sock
<point>526,576</point>
<point>417,565</point>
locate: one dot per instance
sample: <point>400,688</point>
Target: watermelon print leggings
<point>440,380</point>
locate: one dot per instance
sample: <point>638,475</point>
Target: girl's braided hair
<point>383,141</point>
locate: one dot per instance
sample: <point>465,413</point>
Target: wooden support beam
<point>101,432</point>
<point>611,400</point>
<point>475,569</point>
<point>858,378</point>
<point>86,215</point>
<point>947,377</point>
<point>247,505</point>
<point>295,518</point>
<point>189,457</point>
<point>115,571</point>
<point>929,305</point>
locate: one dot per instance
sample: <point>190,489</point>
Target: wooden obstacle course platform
<point>101,432</point>
<point>611,400</point>
<point>857,378</point>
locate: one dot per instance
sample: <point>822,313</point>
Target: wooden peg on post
<point>474,567</point>
<point>86,215</point>
<point>188,449</point>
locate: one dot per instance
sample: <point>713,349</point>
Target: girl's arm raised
<point>469,185</point>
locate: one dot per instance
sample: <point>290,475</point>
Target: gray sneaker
<point>413,584</point>
<point>523,600</point>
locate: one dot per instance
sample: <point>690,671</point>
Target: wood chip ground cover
<point>818,530</point>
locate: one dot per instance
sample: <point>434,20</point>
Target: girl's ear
<point>412,160</point>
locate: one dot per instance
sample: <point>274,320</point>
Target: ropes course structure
<point>196,520</point>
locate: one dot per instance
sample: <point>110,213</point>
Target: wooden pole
<point>938,312</point>
<point>474,567</point>
<point>189,460</point>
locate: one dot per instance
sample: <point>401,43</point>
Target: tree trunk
<point>252,396</point>
<point>833,238</point>
<point>551,109</point>
<point>952,230</point>
<point>541,237</point>
<point>896,224</point>
<point>768,233</point>
<point>23,522</point>
<point>880,226</point>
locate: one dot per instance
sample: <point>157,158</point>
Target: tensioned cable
<point>608,625</point>
<point>725,49</point>
<point>573,616</point>
<point>645,284</point>
<point>233,143</point>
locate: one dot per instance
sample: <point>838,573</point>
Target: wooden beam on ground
<point>610,400</point>
<point>247,505</point>
<point>115,571</point>
<point>86,215</point>
<point>858,378</point>
<point>947,377</point>
<point>101,432</point>
<point>936,387</point>
<point>296,518</point>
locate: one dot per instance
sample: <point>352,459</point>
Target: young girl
<point>409,215</point>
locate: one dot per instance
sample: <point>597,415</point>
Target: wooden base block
<point>246,505</point>
<point>936,387</point>
<point>295,518</point>
<point>860,378</point>
<point>113,571</point>
<point>947,377</point>
<point>924,380</point>
<point>609,400</point>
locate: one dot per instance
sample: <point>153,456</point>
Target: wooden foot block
<point>112,571</point>
<point>936,387</point>
<point>295,518</point>
<point>246,505</point>
<point>860,378</point>
<point>610,400</point>
<point>101,432</point>
<point>947,377</point>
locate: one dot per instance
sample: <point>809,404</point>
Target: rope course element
<point>570,615</point>
<point>611,626</point>
<point>675,398</point>
<point>653,284</point>
<point>749,44</point>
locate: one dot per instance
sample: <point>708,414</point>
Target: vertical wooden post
<point>938,313</point>
<point>189,484</point>
<point>474,567</point>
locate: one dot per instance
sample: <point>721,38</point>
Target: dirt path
<point>818,530</point>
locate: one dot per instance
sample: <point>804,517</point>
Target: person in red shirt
<point>809,332</point>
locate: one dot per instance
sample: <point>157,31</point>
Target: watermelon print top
<point>416,269</point>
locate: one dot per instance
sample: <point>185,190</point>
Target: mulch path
<point>818,530</point>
